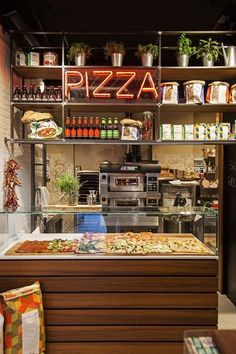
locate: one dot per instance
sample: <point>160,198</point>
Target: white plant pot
<point>116,59</point>
<point>207,62</point>
<point>183,60</point>
<point>80,59</point>
<point>147,59</point>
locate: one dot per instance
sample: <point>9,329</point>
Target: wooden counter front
<point>119,306</point>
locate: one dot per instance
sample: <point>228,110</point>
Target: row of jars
<point>218,92</point>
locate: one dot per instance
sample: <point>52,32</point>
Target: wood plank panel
<point>130,300</point>
<point>118,333</point>
<point>131,317</point>
<point>108,267</point>
<point>114,348</point>
<point>115,284</point>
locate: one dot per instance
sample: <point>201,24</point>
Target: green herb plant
<point>76,48</point>
<point>67,183</point>
<point>184,46</point>
<point>148,48</point>
<point>210,48</point>
<point>113,47</point>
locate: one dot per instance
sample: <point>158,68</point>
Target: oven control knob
<point>104,199</point>
<point>104,176</point>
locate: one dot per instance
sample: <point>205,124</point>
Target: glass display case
<point>74,231</point>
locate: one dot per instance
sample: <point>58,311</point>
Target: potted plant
<point>79,52</point>
<point>69,186</point>
<point>116,51</point>
<point>184,50</point>
<point>147,53</point>
<point>209,51</point>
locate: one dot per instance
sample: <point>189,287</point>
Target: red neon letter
<point>87,84</point>
<point>151,89</point>
<point>103,83</point>
<point>69,85</point>
<point>132,75</point>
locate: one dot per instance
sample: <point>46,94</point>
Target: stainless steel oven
<point>130,185</point>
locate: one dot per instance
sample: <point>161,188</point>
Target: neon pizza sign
<point>110,84</point>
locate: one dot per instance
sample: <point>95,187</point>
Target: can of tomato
<point>50,58</point>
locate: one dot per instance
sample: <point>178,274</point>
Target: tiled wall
<point>22,154</point>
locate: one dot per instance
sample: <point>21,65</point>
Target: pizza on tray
<point>54,246</point>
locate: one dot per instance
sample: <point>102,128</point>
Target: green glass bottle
<point>103,132</point>
<point>109,129</point>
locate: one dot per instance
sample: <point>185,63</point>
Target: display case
<point>85,231</point>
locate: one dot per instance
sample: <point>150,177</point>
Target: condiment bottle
<point>68,128</point>
<point>38,94</point>
<point>97,129</point>
<point>115,131</point>
<point>103,132</point>
<point>17,94</point>
<point>44,95</point>
<point>109,129</point>
<point>73,132</point>
<point>51,97</point>
<point>79,128</point>
<point>91,128</point>
<point>24,96</point>
<point>31,95</point>
<point>85,128</point>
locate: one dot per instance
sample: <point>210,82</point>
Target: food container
<point>223,131</point>
<point>177,132</point>
<point>45,129</point>
<point>218,92</point>
<point>212,131</point>
<point>194,91</point>
<point>21,58</point>
<point>166,132</point>
<point>147,129</point>
<point>232,97</point>
<point>188,132</point>
<point>200,131</point>
<point>50,58</point>
<point>169,92</point>
<point>33,59</point>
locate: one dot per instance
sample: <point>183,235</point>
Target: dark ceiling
<point>115,16</point>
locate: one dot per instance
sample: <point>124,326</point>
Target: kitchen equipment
<point>132,185</point>
<point>170,193</point>
<point>229,55</point>
<point>90,182</point>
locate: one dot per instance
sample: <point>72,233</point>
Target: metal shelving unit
<point>161,72</point>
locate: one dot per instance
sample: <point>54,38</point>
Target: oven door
<point>124,183</point>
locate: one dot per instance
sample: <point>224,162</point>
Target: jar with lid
<point>147,130</point>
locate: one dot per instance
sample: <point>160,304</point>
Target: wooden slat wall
<point>119,306</point>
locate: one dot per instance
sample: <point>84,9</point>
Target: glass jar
<point>147,129</point>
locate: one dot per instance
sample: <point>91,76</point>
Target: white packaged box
<point>212,131</point>
<point>166,132</point>
<point>177,132</point>
<point>33,59</point>
<point>223,131</point>
<point>188,132</point>
<point>21,58</point>
<point>200,131</point>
